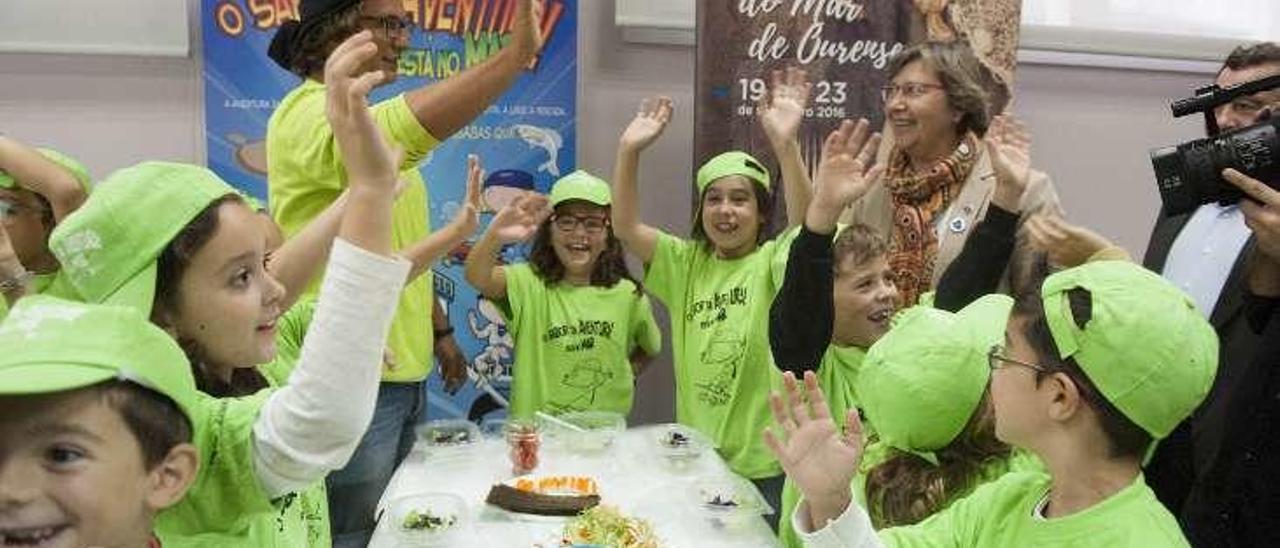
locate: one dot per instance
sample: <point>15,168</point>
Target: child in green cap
<point>193,260</point>
<point>98,414</point>
<point>719,284</point>
<point>1099,363</point>
<point>38,188</point>
<point>581,324</point>
<point>836,303</point>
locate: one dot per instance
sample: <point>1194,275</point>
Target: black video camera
<point>1190,174</point>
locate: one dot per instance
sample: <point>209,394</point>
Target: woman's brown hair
<point>962,76</point>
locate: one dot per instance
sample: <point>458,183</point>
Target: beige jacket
<point>876,210</point>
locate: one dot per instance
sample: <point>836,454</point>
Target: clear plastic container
<point>729,503</point>
<point>429,519</point>
<point>442,436</point>
<point>680,447</point>
<point>597,430</point>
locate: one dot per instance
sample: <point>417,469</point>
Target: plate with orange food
<point>545,496</point>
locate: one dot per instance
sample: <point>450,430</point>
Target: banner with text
<point>526,140</point>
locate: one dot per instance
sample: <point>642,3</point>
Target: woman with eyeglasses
<point>943,172</point>
<point>583,328</point>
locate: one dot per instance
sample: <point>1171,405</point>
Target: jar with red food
<point>523,441</point>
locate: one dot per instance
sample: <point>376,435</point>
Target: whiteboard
<point>108,27</point>
<point>1172,29</point>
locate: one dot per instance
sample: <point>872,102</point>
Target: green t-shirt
<point>291,330</point>
<point>575,343</point>
<point>306,174</point>
<point>1003,513</point>
<point>227,506</point>
<point>720,337</point>
<point>836,375</point>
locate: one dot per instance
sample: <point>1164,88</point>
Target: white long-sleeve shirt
<point>312,425</point>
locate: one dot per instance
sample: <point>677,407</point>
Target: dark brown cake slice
<point>526,502</point>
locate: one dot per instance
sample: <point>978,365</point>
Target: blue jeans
<point>354,491</point>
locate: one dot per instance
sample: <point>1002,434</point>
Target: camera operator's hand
<point>1262,215</point>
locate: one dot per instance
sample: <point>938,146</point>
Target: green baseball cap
<point>922,381</point>
<point>108,248</point>
<point>53,345</point>
<point>581,185</point>
<point>1145,346</point>
<point>734,162</point>
<point>68,163</point>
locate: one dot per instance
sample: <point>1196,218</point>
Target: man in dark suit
<point>1212,253</point>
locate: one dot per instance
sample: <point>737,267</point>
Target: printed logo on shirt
<point>707,312</point>
<point>583,327</point>
<point>583,380</point>
<point>720,358</point>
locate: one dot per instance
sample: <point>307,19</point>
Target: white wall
<point>1092,127</point>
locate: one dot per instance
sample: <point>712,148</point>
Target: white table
<point>631,475</point>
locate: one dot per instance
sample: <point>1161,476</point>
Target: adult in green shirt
<point>582,326</point>
<point>306,174</point>
<point>1099,361</point>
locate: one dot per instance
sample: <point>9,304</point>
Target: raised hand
<point>467,218</point>
<point>650,120</point>
<point>527,37</point>
<point>816,456</point>
<point>370,162</point>
<point>1066,244</point>
<point>782,109</point>
<point>846,172</point>
<point>519,220</point>
<point>1009,145</point>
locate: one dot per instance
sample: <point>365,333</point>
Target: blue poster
<point>525,141</point>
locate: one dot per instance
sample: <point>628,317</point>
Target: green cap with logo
<point>1144,345</point>
<point>734,162</point>
<point>581,185</point>
<point>54,345</point>
<point>922,381</point>
<point>74,167</point>
<point>109,247</point>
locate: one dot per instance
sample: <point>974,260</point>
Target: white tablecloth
<point>631,474</point>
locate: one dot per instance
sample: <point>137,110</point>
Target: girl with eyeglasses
<point>38,188</point>
<point>583,328</point>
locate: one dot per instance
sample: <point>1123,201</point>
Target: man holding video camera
<point>1219,472</point>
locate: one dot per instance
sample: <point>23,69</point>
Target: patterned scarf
<point>917,199</point>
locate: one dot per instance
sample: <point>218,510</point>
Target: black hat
<point>292,31</point>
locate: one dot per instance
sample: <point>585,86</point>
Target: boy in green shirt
<point>1101,361</point>
<point>98,408</point>
<point>581,324</point>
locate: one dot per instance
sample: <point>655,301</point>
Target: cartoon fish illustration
<point>546,139</point>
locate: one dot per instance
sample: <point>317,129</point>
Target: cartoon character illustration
<point>721,356</point>
<point>587,376</point>
<point>546,139</point>
<point>504,185</point>
<point>491,367</point>
<point>251,155</point>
